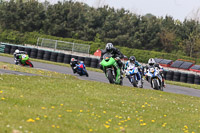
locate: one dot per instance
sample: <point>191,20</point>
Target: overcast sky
<point>178,9</point>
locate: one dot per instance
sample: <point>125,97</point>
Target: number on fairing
<point>23,56</point>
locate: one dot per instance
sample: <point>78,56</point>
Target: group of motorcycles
<point>113,73</point>
<point>135,74</point>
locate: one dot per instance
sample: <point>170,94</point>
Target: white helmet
<point>16,51</point>
<point>109,46</point>
<point>151,61</point>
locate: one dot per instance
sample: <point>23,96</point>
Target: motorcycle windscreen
<point>24,58</point>
<point>110,62</point>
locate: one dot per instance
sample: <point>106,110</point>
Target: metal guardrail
<point>63,45</point>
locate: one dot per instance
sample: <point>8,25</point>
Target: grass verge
<point>62,103</point>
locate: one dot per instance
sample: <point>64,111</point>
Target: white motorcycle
<point>133,74</point>
<point>155,78</point>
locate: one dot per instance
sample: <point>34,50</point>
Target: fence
<point>62,45</point>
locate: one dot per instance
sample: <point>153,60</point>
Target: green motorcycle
<point>111,69</point>
<point>25,61</point>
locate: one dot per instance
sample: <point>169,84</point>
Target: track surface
<point>96,76</point>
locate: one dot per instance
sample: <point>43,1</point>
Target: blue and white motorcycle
<point>134,76</point>
<point>154,78</point>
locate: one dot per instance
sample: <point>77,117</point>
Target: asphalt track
<point>97,76</point>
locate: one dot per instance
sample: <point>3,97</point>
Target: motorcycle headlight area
<point>151,70</point>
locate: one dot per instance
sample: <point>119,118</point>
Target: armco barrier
<point>94,62</point>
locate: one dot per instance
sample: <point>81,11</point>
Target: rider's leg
<point>16,61</point>
<point>139,77</point>
<point>129,77</point>
<point>163,79</point>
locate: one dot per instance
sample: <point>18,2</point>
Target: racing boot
<point>163,83</point>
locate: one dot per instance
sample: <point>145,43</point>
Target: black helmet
<point>109,46</point>
<point>132,58</point>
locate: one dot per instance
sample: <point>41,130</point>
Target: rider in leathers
<point>130,62</point>
<point>16,54</point>
<point>115,52</point>
<point>152,63</point>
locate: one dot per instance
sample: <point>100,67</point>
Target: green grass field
<point>59,103</point>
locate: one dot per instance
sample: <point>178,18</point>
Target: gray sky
<point>178,9</point>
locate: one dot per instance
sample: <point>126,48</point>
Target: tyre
<point>183,77</point>
<point>47,55</point>
<point>110,76</point>
<point>40,54</point>
<point>33,53</point>
<point>156,87</point>
<point>60,57</point>
<point>28,50</point>
<point>67,58</point>
<point>134,82</point>
<point>197,79</point>
<point>169,75</point>
<point>190,78</point>
<point>176,76</point>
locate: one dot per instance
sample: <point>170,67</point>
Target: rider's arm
<point>118,53</point>
<point>102,53</point>
<point>15,55</point>
<point>138,64</point>
<point>125,67</point>
<point>159,66</point>
<point>146,68</point>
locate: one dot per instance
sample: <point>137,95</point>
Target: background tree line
<point>121,27</point>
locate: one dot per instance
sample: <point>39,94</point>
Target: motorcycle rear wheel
<point>29,63</point>
<point>86,73</point>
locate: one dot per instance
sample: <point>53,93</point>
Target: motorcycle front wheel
<point>110,76</point>
<point>134,82</point>
<point>156,86</point>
